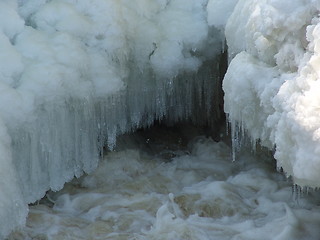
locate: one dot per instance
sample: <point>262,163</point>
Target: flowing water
<point>156,186</point>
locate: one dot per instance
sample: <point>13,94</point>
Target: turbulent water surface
<point>159,187</point>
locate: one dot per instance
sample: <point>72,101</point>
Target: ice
<point>11,203</point>
<point>219,11</point>
<point>271,83</point>
<point>76,74</point>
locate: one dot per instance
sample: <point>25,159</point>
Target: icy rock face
<point>75,74</point>
<point>271,86</point>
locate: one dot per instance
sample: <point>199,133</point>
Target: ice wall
<point>272,84</point>
<point>74,74</point>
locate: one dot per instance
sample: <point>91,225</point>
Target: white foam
<point>199,195</point>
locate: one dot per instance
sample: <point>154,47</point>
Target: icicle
<point>297,193</point>
<point>112,135</point>
<point>67,136</point>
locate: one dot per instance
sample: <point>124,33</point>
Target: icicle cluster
<point>75,74</point>
<point>67,137</point>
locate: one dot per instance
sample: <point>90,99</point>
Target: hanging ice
<point>75,74</point>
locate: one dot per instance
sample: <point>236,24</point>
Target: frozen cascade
<point>68,137</point>
<point>75,74</point>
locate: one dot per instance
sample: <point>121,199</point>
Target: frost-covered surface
<point>272,84</point>
<point>74,74</point>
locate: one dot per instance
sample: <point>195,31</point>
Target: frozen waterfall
<point>75,74</point>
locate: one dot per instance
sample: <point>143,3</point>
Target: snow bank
<point>75,74</point>
<point>271,87</point>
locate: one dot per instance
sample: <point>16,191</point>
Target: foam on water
<point>196,195</point>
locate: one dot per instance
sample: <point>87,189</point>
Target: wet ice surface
<point>168,191</point>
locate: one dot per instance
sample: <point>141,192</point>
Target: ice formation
<point>271,86</point>
<point>75,74</point>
